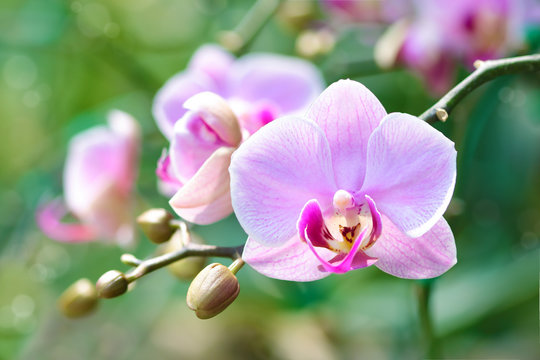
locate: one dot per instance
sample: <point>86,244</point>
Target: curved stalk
<point>485,71</point>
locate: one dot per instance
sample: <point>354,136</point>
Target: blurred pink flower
<point>345,187</point>
<point>99,176</point>
<point>207,110</point>
<point>368,10</point>
<point>443,33</point>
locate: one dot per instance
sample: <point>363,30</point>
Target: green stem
<point>239,39</point>
<point>486,71</point>
<point>236,265</point>
<point>423,292</point>
<point>189,249</point>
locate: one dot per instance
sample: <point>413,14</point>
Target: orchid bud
<point>212,290</point>
<point>296,15</point>
<point>79,299</point>
<point>112,284</point>
<point>155,223</point>
<point>187,268</point>
<point>313,43</point>
<point>389,45</point>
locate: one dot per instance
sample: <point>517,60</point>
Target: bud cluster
<point>212,290</point>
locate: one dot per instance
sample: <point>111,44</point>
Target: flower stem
<point>189,249</point>
<point>423,292</point>
<point>486,71</point>
<point>236,265</point>
<point>239,39</point>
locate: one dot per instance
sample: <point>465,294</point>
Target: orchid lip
<point>347,229</point>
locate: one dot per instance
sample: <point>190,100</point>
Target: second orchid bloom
<point>208,110</point>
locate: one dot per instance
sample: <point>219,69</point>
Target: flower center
<point>346,221</point>
<point>346,229</point>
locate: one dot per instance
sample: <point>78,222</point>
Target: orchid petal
<point>205,198</point>
<point>376,224</point>
<point>427,256</point>
<point>347,112</point>
<point>49,221</point>
<point>192,144</point>
<point>99,174</point>
<point>98,158</point>
<point>290,261</point>
<point>410,172</point>
<point>213,61</point>
<point>290,83</point>
<point>109,214</point>
<point>275,172</point>
<point>217,114</point>
<point>168,184</point>
<point>168,106</point>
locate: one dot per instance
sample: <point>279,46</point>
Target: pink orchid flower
<point>384,11</point>
<point>345,187</point>
<point>209,109</point>
<point>99,175</point>
<point>443,33</point>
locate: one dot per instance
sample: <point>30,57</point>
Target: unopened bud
<point>112,284</point>
<point>79,299</point>
<point>155,223</point>
<point>296,15</point>
<point>313,43</point>
<point>388,47</point>
<point>187,268</point>
<point>231,40</point>
<point>212,290</point>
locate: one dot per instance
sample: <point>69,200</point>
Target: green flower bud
<point>212,290</point>
<point>155,223</point>
<point>79,299</point>
<point>112,284</point>
<point>296,15</point>
<point>187,268</point>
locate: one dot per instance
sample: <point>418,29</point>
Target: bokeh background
<point>64,64</point>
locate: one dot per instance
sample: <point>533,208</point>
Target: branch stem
<point>486,71</point>
<point>190,249</point>
<point>423,292</point>
<point>239,39</point>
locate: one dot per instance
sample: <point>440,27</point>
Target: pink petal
<point>427,256</point>
<point>99,158</point>
<point>410,172</point>
<point>205,198</point>
<point>213,61</point>
<point>169,101</point>
<point>290,83</point>
<point>275,172</point>
<point>168,184</point>
<point>193,142</point>
<point>49,218</point>
<point>128,131</point>
<point>376,221</point>
<point>217,114</point>
<point>347,112</point>
<point>109,214</point>
<point>291,261</point>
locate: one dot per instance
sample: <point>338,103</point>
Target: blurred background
<point>64,64</point>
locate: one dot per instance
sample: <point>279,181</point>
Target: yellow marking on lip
<point>349,233</point>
